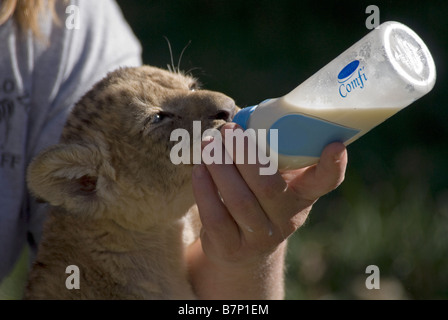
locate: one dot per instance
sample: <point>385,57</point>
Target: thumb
<point>317,180</point>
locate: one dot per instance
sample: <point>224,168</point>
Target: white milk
<point>375,78</point>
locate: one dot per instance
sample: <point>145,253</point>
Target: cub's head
<point>114,152</point>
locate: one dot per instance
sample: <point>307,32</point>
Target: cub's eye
<point>194,86</point>
<point>156,121</point>
<point>159,117</point>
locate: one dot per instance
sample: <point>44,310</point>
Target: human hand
<point>246,217</point>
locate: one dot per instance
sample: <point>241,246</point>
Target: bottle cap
<point>409,56</point>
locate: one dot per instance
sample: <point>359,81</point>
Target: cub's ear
<point>72,176</point>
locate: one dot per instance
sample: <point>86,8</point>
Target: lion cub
<point>118,205</point>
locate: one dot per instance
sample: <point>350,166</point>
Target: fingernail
<point>232,126</point>
<point>338,156</point>
<point>237,126</point>
<point>207,139</point>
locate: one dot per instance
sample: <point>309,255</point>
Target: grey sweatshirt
<point>40,80</point>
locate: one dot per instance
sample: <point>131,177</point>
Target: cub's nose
<point>223,108</point>
<point>222,115</point>
<point>210,106</point>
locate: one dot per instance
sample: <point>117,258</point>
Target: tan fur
<point>118,204</point>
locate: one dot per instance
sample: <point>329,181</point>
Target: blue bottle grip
<point>300,135</point>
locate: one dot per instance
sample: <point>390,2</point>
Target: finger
<point>282,199</point>
<point>270,190</point>
<point>238,197</point>
<point>218,225</point>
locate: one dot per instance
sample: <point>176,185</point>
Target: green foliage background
<point>392,209</point>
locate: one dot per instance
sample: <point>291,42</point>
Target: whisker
<point>181,54</point>
<point>189,71</point>
<point>171,55</point>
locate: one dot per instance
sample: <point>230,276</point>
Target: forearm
<point>263,279</point>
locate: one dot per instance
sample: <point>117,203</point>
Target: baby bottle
<point>375,78</point>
